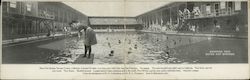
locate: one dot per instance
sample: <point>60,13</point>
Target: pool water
<point>152,48</point>
<point>132,48</point>
<point>159,48</point>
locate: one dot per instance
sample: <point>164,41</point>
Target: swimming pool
<point>159,48</point>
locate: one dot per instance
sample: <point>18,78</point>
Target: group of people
<point>186,14</point>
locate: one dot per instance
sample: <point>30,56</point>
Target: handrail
<point>214,13</point>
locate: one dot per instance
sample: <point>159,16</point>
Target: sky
<point>115,8</point>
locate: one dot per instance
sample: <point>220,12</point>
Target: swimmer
<point>130,48</point>
<point>135,46</point>
<point>109,44</point>
<point>111,53</point>
<point>129,52</point>
<point>167,55</point>
<point>174,42</point>
<point>119,41</point>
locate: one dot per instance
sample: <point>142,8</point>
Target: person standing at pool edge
<point>89,38</point>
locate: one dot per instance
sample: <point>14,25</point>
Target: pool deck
<point>84,60</point>
<point>200,34</point>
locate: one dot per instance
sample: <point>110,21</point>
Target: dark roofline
<point>109,17</point>
<point>168,5</point>
<point>111,24</point>
<point>62,5</point>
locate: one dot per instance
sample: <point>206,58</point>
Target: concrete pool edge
<point>198,34</point>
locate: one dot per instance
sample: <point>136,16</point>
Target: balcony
<point>46,15</point>
<point>212,14</point>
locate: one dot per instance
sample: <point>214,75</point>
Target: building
<point>206,17</point>
<point>114,23</point>
<point>25,19</point>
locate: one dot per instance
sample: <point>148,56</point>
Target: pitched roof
<point>112,21</point>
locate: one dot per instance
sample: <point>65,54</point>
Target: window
<point>216,6</point>
<point>13,4</point>
<point>28,7</point>
<point>223,5</point>
<point>208,8</point>
<point>230,5</point>
<point>216,9</point>
<point>238,5</point>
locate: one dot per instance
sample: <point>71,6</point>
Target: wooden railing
<point>214,13</point>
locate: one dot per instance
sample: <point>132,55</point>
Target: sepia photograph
<point>130,32</point>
